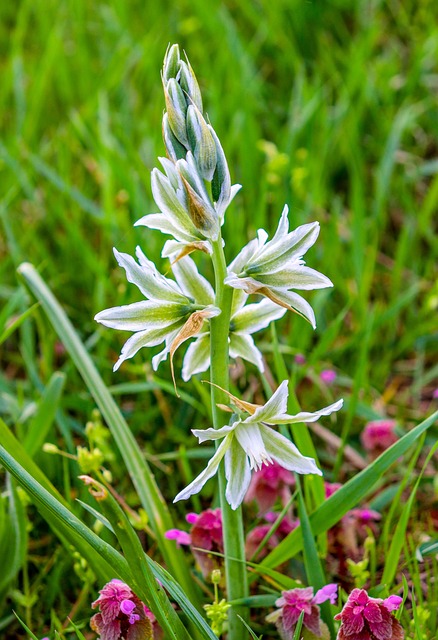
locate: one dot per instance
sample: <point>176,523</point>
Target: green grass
<point>330,107</point>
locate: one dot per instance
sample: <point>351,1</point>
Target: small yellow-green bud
<point>48,447</point>
<point>89,460</point>
<point>216,576</point>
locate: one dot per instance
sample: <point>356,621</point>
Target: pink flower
<point>121,614</point>
<point>331,487</point>
<point>182,537</point>
<point>378,435</point>
<point>365,618</point>
<point>328,376</point>
<point>293,602</point>
<point>300,359</point>
<point>268,484</point>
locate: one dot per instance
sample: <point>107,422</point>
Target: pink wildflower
<point>293,602</point>
<point>328,376</point>
<point>365,618</point>
<point>181,537</point>
<point>331,487</point>
<point>268,484</point>
<point>435,394</point>
<point>378,436</point>
<point>121,614</point>
<point>300,359</point>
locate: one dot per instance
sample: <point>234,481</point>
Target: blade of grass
<point>141,475</point>
<point>355,490</point>
<point>75,531</point>
<point>45,414</point>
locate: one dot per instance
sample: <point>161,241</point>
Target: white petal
<point>275,406</point>
<point>147,314</point>
<point>167,201</point>
<point>160,357</point>
<point>148,338</point>
<point>305,416</point>
<point>242,346</point>
<point>243,257</point>
<point>167,225</point>
<point>191,282</point>
<point>239,300</point>
<point>197,358</point>
<point>283,225</point>
<point>209,471</point>
<point>250,439</point>
<point>214,434</point>
<point>286,454</point>
<point>274,255</point>
<point>296,277</point>
<point>237,473</point>
<point>297,302</point>
<point>146,277</point>
<point>255,317</point>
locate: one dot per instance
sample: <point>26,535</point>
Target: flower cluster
<point>365,618</point>
<point>377,436</point>
<point>295,601</point>
<point>121,614</point>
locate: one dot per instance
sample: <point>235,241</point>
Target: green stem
<point>232,524</point>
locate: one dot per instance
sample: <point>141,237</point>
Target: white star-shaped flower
<point>275,267</point>
<point>173,312</point>
<point>252,442</point>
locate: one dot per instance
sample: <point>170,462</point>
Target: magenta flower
<point>121,614</point>
<point>269,483</point>
<point>206,534</point>
<point>328,376</point>
<point>378,436</point>
<point>365,618</point>
<point>293,602</point>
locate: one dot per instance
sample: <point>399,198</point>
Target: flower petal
<point>237,473</point>
<point>146,277</point>
<point>286,454</point>
<point>147,314</point>
<point>147,338</point>
<point>214,434</point>
<point>191,282</point>
<point>196,485</point>
<point>242,346</point>
<point>251,441</point>
<point>243,256</point>
<point>275,406</point>
<point>167,225</point>
<point>305,416</point>
<point>295,277</point>
<point>197,358</point>
<point>255,317</point>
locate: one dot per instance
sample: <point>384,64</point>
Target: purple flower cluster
<point>365,618</point>
<point>121,614</point>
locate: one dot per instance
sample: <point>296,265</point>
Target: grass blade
<point>355,490</point>
<point>141,475</point>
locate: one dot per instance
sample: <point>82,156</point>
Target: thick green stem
<point>234,542</point>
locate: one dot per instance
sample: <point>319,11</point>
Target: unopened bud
<point>189,84</point>
<point>216,576</point>
<point>48,447</point>
<point>175,150</point>
<point>89,460</point>
<point>201,142</point>
<point>171,62</point>
<point>176,106</point>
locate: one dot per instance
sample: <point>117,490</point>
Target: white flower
<point>173,312</point>
<point>274,268</point>
<point>250,443</point>
<point>245,320</point>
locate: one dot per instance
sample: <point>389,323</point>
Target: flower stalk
<point>232,523</point>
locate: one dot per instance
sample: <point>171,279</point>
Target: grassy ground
<point>330,107</point>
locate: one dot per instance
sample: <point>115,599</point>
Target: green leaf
<point>353,492</point>
<point>32,635</point>
<point>45,414</point>
<point>393,555</point>
<point>141,475</point>
<point>71,528</point>
<point>14,538</point>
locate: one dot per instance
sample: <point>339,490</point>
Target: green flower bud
<point>176,106</point>
<point>171,62</point>
<point>189,84</point>
<point>201,142</point>
<point>175,150</point>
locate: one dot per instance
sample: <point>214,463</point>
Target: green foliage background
<point>328,106</point>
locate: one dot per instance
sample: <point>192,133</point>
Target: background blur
<point>328,106</point>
